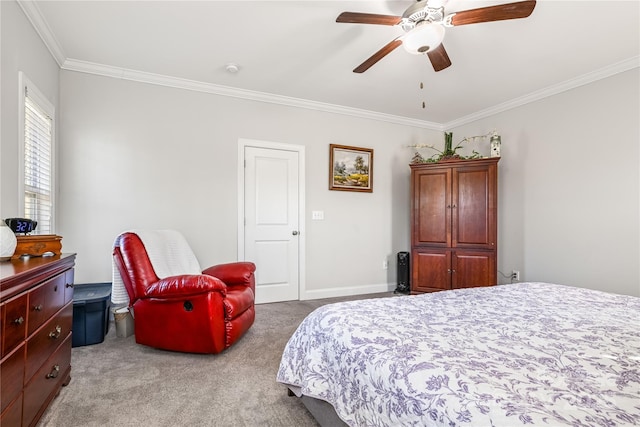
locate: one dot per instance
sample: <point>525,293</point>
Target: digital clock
<point>21,225</point>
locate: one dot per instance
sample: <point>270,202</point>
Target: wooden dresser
<point>36,311</point>
<point>454,224</point>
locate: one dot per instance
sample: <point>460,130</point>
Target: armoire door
<point>432,207</point>
<point>472,268</point>
<point>474,207</point>
<point>430,270</point>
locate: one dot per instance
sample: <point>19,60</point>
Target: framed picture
<point>350,168</point>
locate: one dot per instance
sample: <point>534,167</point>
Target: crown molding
<point>179,83</point>
<point>33,14</point>
<point>608,71</point>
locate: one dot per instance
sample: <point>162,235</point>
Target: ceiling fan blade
<point>368,18</point>
<point>439,58</point>
<point>494,13</point>
<point>388,48</point>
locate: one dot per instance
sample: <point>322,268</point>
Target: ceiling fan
<point>424,23</point>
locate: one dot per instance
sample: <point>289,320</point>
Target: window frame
<point>26,85</point>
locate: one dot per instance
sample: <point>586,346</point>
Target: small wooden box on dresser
<point>36,310</point>
<point>454,224</point>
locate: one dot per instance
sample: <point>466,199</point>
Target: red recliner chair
<point>203,313</point>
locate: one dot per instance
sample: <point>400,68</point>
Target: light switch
<point>317,215</point>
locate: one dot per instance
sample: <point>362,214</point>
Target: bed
<point>521,354</point>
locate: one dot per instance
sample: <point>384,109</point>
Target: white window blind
<point>38,170</point>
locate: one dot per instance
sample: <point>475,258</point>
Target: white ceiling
<point>294,52</point>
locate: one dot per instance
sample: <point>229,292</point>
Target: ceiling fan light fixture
<point>423,38</point>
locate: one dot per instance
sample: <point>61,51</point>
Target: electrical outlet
<point>385,264</point>
<point>515,275</point>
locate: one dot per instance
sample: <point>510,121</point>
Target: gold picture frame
<point>350,168</point>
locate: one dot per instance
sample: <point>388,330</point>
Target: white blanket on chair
<point>169,253</point>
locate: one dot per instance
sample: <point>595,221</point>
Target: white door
<point>272,221</point>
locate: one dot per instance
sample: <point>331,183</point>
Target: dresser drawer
<point>68,286</point>
<point>11,377</point>
<point>12,416</point>
<point>13,323</point>
<point>45,300</point>
<point>47,339</point>
<point>46,383</point>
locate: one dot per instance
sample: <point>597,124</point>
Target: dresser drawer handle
<point>37,307</point>
<point>19,320</point>
<point>69,285</point>
<point>54,372</point>
<point>55,334</point>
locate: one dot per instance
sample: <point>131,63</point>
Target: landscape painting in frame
<point>350,168</point>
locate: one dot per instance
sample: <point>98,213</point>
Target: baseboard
<point>346,291</point>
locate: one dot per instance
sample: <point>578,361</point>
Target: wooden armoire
<point>454,224</point>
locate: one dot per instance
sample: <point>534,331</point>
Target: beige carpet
<point>120,383</point>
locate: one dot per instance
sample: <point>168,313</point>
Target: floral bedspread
<point>527,353</point>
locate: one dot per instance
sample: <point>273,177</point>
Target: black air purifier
<point>403,273</point>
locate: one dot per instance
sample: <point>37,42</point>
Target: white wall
<point>137,155</point>
<point>21,50</point>
<point>569,186</point>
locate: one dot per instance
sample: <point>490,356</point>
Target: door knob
<point>294,232</point>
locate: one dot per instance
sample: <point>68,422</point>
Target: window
<point>36,166</point>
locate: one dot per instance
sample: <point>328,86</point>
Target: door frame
<point>269,145</point>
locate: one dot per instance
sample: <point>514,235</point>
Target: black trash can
<point>91,303</point>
